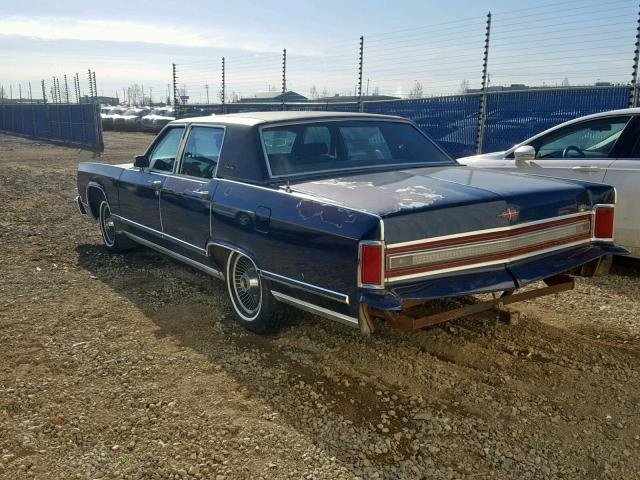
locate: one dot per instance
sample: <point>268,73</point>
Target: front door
<point>581,151</point>
<point>185,200</point>
<point>624,174</point>
<point>139,188</point>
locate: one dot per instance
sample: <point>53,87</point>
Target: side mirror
<point>140,161</point>
<point>524,154</point>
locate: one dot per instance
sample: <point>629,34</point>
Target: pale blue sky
<point>437,43</point>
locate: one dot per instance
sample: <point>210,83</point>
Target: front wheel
<point>252,302</point>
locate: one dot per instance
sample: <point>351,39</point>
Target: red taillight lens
<point>371,273</point>
<point>603,227</point>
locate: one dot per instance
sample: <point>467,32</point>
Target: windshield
<point>327,146</point>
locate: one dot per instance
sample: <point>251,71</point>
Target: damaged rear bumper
<point>497,278</point>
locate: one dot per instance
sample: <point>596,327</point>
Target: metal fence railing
<point>452,121</point>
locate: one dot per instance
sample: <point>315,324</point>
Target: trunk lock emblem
<point>509,214</point>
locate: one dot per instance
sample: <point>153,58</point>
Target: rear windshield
<point>331,146</point>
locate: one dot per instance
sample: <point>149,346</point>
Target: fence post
<point>224,94</point>
<point>95,87</point>
<point>284,77</point>
<point>360,61</point>
<point>44,94</point>
<point>482,118</point>
<point>79,91</point>
<point>30,94</point>
<point>90,85</point>
<point>59,94</point>
<point>175,90</point>
<point>66,88</point>
<point>633,95</point>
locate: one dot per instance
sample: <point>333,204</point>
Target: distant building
<point>354,98</point>
<point>274,97</point>
<point>101,100</point>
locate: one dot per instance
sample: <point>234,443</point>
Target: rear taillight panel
<point>371,264</point>
<point>603,223</point>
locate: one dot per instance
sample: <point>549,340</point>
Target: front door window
<point>591,139</point>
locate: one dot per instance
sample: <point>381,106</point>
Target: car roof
<point>257,118</point>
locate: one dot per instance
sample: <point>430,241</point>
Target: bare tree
<point>416,90</point>
<point>565,82</point>
<point>313,92</point>
<point>376,91</point>
<point>464,86</point>
<point>325,92</point>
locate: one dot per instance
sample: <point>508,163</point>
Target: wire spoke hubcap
<point>246,286</point>
<point>108,225</point>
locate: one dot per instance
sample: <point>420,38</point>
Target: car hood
<point>483,157</point>
<point>435,201</point>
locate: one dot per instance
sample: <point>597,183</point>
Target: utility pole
<point>30,95</point>
<point>224,95</point>
<point>284,77</point>
<point>206,87</point>
<point>20,93</point>
<point>360,61</point>
<point>633,95</point>
<point>482,118</point>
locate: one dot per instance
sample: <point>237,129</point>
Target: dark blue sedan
<point>349,216</point>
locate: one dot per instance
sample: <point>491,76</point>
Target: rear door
<point>139,188</point>
<point>581,151</point>
<point>185,200</point>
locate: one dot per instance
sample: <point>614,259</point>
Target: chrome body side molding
<point>193,263</point>
<point>307,287</point>
<point>160,234</point>
<point>315,309</point>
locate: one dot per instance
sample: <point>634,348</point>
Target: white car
<point>603,148</point>
<point>157,119</point>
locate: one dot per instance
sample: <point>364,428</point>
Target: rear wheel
<point>252,303</point>
<point>114,241</point>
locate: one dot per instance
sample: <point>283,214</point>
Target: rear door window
<point>201,152</point>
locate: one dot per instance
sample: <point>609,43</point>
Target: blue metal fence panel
<point>515,116</point>
<point>77,124</point>
<point>451,121</point>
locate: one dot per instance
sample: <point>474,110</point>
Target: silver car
<point>130,119</point>
<point>603,148</point>
<point>157,119</point>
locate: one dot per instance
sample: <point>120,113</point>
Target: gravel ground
<point>130,366</point>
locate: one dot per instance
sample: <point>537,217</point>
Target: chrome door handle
<point>204,194</point>
<point>586,168</point>
<point>156,184</point>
